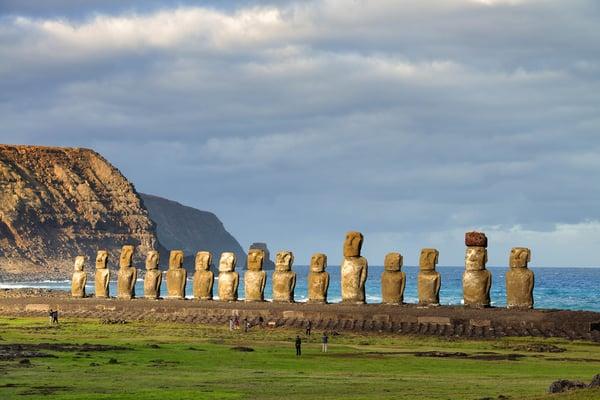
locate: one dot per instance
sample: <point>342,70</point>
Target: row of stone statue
<point>477,280</point>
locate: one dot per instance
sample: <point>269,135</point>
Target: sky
<point>296,121</point>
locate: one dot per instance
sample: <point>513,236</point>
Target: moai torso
<point>203,277</point>
<point>127,275</point>
<point>429,280</point>
<point>255,278</point>
<point>176,276</point>
<point>228,278</point>
<point>284,280</point>
<point>79,278</point>
<point>354,269</point>
<point>519,279</point>
<point>153,277</point>
<point>393,280</point>
<point>318,279</point>
<point>102,275</point>
<point>477,281</point>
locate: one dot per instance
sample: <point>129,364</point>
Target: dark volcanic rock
<point>563,385</point>
<point>191,230</point>
<point>595,383</point>
<point>57,203</point>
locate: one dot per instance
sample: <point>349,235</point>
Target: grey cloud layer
<point>296,122</point>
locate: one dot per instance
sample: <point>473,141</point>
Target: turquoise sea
<point>563,288</point>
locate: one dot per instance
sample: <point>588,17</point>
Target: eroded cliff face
<point>57,203</point>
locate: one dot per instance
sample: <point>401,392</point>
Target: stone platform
<point>450,321</point>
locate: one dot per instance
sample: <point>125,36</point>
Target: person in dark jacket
<point>298,346</point>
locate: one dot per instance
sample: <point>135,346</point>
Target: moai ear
<point>528,255</point>
<point>437,256</point>
<point>486,256</point>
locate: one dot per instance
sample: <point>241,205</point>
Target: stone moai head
<point>393,262</point>
<point>101,259</point>
<point>318,262</point>
<point>255,259</point>
<point>203,261</point>
<point>519,257</point>
<point>475,258</point>
<point>176,259</point>
<point>428,259</point>
<point>152,259</point>
<point>126,258</point>
<point>79,263</point>
<point>284,261</point>
<point>227,262</point>
<point>353,244</point>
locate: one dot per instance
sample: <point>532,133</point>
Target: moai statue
<point>393,280</point>
<point>318,279</point>
<point>79,278</point>
<point>102,276</point>
<point>176,276</point>
<point>429,280</point>
<point>203,277</point>
<point>228,278</point>
<point>284,279</point>
<point>127,275</point>
<point>153,278</point>
<point>255,278</point>
<point>354,270</point>
<point>519,279</point>
<point>477,281</point>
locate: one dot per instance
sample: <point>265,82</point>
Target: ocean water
<point>561,288</point>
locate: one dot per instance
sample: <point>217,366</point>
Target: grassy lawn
<point>184,361</point>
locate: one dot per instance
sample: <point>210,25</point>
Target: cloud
<point>295,121</point>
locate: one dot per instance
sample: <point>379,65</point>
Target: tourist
<point>55,317</point>
<point>50,316</point>
<point>308,327</point>
<point>324,340</point>
<point>298,345</point>
<point>246,325</point>
<point>231,323</point>
<point>237,322</point>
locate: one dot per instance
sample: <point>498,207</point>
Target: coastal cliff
<point>191,230</point>
<point>56,203</point>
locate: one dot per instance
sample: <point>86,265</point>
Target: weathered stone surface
<point>153,277</point>
<point>203,277</point>
<point>519,279</point>
<point>255,278</point>
<point>354,269</point>
<point>127,275</point>
<point>79,278</point>
<point>563,385</point>
<point>228,278</point>
<point>477,281</point>
<point>176,276</point>
<point>284,279</point>
<point>393,280</point>
<point>182,227</point>
<point>429,280</point>
<point>318,279</point>
<point>268,264</point>
<point>102,275</point>
<point>475,239</point>
<point>57,203</point>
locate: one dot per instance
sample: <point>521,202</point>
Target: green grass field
<point>183,361</point>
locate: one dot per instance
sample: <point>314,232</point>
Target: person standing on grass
<point>324,340</point>
<point>231,323</point>
<point>298,345</point>
<point>308,327</point>
<point>55,317</point>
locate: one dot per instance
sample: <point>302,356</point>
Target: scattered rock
<point>242,349</point>
<point>595,381</point>
<point>25,361</point>
<point>154,346</point>
<point>440,354</point>
<point>109,321</point>
<point>93,364</point>
<point>564,384</point>
<point>540,348</point>
<point>113,361</point>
